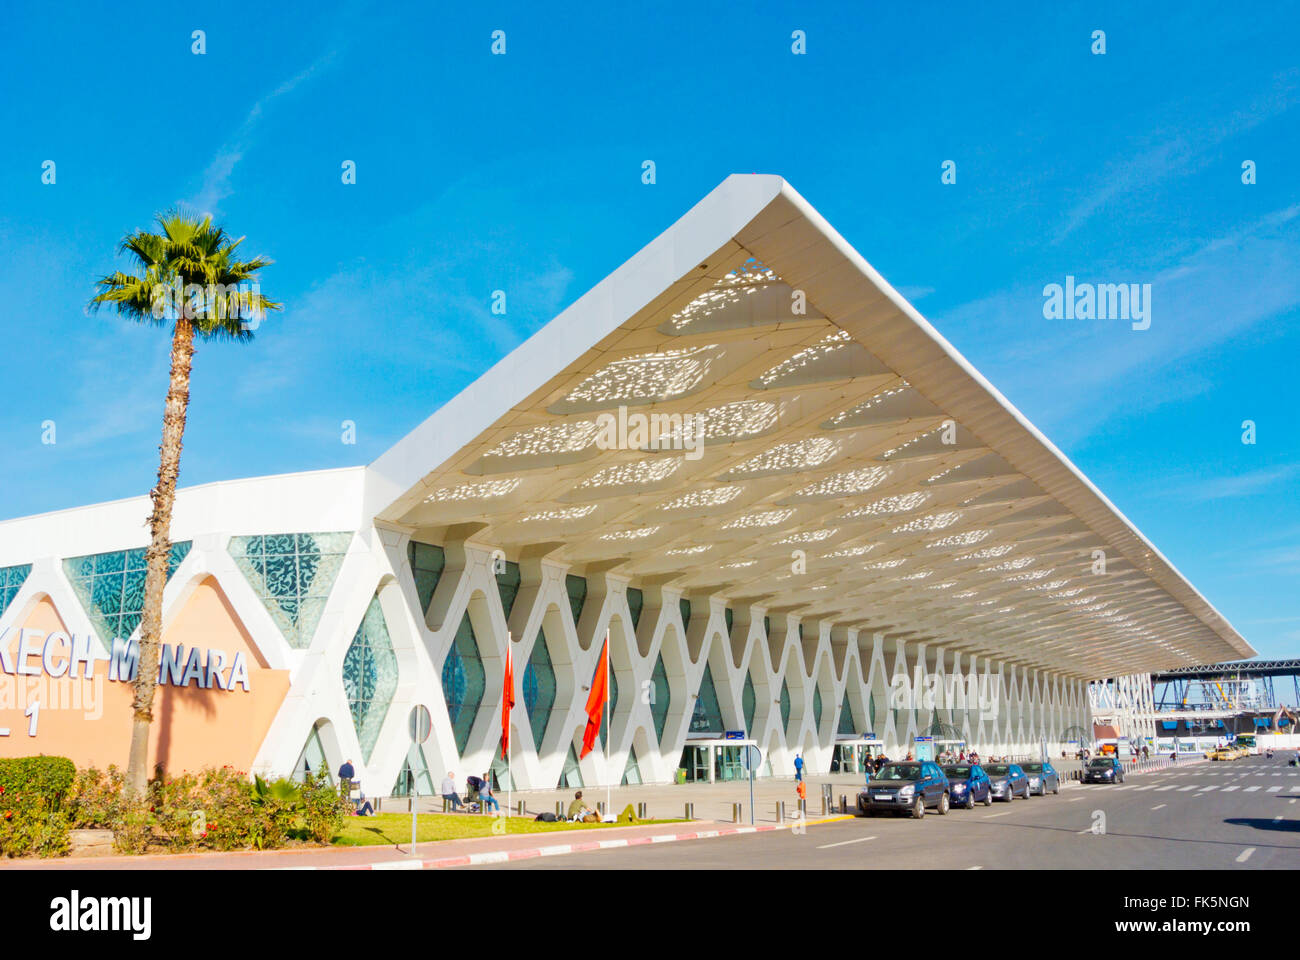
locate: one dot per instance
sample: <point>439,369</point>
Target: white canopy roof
<point>926,506</point>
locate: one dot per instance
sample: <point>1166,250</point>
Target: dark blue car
<point>968,785</point>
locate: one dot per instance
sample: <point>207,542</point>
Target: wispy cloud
<point>216,179</point>
<point>1242,485</point>
<point>1184,152</point>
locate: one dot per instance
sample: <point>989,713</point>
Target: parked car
<point>968,784</point>
<point>1008,781</point>
<point>1042,778</point>
<point>1103,770</point>
<point>908,787</point>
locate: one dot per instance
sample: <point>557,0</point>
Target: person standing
<point>801,791</point>
<point>798,767</point>
<point>347,773</point>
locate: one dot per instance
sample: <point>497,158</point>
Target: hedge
<point>45,777</point>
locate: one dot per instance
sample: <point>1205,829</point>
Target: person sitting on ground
<point>578,809</point>
<point>449,791</point>
<point>485,794</point>
<point>364,807</point>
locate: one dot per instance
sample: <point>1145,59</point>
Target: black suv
<point>906,787</point>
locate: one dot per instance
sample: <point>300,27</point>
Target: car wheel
<point>918,809</point>
<point>1056,790</point>
<point>943,804</point>
<point>988,798</point>
<point>970,800</point>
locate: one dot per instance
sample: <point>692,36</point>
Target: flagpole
<point>609,732</point>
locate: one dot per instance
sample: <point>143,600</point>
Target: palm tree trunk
<point>156,558</point>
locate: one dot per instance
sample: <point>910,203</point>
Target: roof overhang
<point>841,433</point>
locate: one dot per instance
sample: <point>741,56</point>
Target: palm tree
<point>188,277</point>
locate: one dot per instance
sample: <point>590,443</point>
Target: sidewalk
<point>431,855</point>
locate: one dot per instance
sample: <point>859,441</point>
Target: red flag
<point>596,701</point>
<point>507,700</point>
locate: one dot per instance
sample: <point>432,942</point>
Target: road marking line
<point>1274,789</point>
<point>1245,854</point>
<point>990,816</point>
<point>1172,786</point>
<point>1074,799</point>
<point>1213,786</point>
<point>975,868</point>
<point>827,846</point>
<point>1250,789</point>
<point>1190,786</point>
<point>1229,789</point>
<point>1159,806</point>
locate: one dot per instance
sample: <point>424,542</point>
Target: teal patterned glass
<point>508,587</point>
<point>571,775</point>
<point>463,681</point>
<point>748,702</point>
<point>577,590</point>
<point>635,602</point>
<point>817,708</point>
<point>707,717</point>
<point>785,708</point>
<point>370,676</point>
<point>767,627</point>
<point>871,709</point>
<point>684,606</point>
<point>729,615</point>
<point>11,579</point>
<point>539,688</point>
<point>427,561</point>
<point>662,695</point>
<point>846,718</point>
<point>110,587</point>
<point>631,772</point>
<point>292,574</point>
<point>413,767</point>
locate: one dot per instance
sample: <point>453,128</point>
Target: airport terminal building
<point>794,509</point>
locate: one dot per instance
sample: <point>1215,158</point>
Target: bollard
<point>780,811</point>
<point>803,809</point>
<point>641,812</point>
<point>446,804</point>
<point>690,811</point>
<point>825,805</point>
<point>523,808</point>
<point>844,804</point>
<point>559,809</point>
<point>735,812</point>
<point>600,807</point>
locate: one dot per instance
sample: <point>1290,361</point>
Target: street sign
<point>734,735</point>
<point>420,724</point>
<point>869,735</point>
<point>751,757</point>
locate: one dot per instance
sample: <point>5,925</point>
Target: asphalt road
<point>1238,815</point>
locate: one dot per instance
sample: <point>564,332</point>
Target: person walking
<point>798,767</point>
<point>449,791</point>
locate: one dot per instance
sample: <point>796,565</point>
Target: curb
<point>556,850</point>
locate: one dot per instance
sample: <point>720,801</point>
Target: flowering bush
<point>323,807</point>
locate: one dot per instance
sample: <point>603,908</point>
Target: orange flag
<point>596,701</point>
<point>507,700</point>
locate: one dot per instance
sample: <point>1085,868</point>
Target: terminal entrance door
<point>844,760</point>
<point>729,764</point>
<point>695,761</point>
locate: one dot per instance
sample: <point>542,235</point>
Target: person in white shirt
<point>449,791</point>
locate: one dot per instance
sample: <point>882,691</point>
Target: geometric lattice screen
<point>292,574</point>
<point>11,579</point>
<point>370,676</point>
<point>110,587</point>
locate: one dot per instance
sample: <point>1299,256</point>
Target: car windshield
<point>900,771</point>
<point>1032,767</point>
<point>1100,764</point>
<point>961,773</point>
<point>997,770</point>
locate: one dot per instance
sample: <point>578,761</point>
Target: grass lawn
<point>395,828</point>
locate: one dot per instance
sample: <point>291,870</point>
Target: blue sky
<point>522,172</point>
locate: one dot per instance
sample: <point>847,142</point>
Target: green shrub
<point>323,807</point>
<point>33,827</point>
<point>47,777</point>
